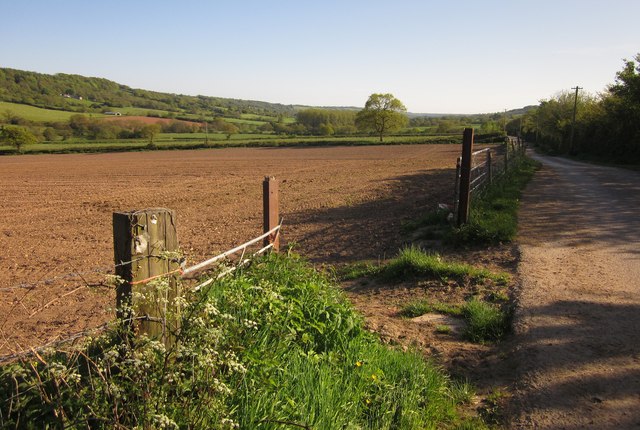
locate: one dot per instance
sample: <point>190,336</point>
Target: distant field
<point>141,111</point>
<point>38,114</point>
<point>166,141</point>
<point>244,121</point>
<point>213,136</point>
<point>141,118</point>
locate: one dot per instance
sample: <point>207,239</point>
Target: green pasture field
<point>136,111</point>
<point>239,141</point>
<point>36,114</point>
<point>212,136</point>
<point>244,121</point>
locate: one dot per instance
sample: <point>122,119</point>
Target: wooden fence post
<point>506,156</point>
<point>489,168</point>
<point>465,176</point>
<point>270,203</point>
<point>145,248</point>
<point>456,191</point>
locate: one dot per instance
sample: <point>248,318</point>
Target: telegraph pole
<point>504,121</point>
<point>573,123</point>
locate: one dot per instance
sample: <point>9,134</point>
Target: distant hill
<point>76,93</point>
<point>82,94</point>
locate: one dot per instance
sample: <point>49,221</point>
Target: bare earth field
<point>339,204</point>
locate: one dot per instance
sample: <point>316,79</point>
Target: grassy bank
<point>274,347</point>
<point>493,217</point>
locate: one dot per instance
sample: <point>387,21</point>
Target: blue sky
<point>435,56</point>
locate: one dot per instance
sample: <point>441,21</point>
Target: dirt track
<point>339,204</point>
<point>579,319</point>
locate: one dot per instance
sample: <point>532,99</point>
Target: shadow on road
<point>596,205</point>
<point>595,358</point>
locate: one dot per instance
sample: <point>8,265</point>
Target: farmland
<point>339,204</point>
<point>37,114</point>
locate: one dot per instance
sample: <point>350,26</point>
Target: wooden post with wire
<point>271,216</point>
<point>465,177</point>
<point>489,167</point>
<point>145,247</point>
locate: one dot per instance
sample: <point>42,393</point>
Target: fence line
<point>186,273</point>
<point>104,270</point>
<point>270,239</point>
<point>494,164</point>
<point>8,358</point>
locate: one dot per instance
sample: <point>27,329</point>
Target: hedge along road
<point>578,321</point>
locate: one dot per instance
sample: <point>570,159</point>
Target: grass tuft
<point>485,322</point>
<point>423,306</point>
<point>412,262</point>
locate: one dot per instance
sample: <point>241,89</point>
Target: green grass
<point>276,343</point>
<point>37,114</point>
<point>412,262</point>
<point>245,121</point>
<point>239,140</point>
<point>493,217</point>
<point>423,306</point>
<point>485,322</point>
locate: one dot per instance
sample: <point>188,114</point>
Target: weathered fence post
<point>145,247</point>
<point>465,176</point>
<point>456,191</point>
<point>270,202</point>
<point>489,168</point>
<point>506,155</point>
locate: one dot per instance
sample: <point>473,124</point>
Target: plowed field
<point>339,204</point>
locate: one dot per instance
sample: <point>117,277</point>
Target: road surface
<point>578,320</point>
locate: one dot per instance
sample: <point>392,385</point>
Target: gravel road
<point>578,321</point>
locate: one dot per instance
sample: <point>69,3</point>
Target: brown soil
<point>578,325</point>
<point>339,204</point>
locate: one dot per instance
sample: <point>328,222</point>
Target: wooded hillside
<point>82,94</point>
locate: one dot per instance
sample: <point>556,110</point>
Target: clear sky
<point>441,56</point>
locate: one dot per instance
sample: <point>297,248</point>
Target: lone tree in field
<point>382,113</point>
<point>150,131</point>
<point>16,136</point>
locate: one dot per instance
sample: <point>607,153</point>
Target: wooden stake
<point>465,176</point>
<point>270,203</point>
<point>146,241</point>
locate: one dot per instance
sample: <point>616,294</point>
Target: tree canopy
<point>16,136</point>
<point>382,113</point>
<point>607,127</point>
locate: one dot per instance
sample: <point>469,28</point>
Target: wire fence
<point>106,276</point>
<point>487,165</point>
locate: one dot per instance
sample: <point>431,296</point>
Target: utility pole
<point>573,123</point>
<point>504,121</point>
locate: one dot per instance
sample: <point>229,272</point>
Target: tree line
<point>607,126</point>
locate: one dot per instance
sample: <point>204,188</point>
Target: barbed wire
<point>182,270</point>
<point>54,344</point>
<point>104,270</point>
